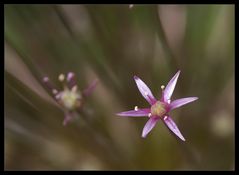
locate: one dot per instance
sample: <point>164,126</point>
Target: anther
<point>136,108</point>
<point>162,87</point>
<point>61,77</point>
<point>48,84</point>
<point>58,96</point>
<point>45,79</point>
<point>165,117</point>
<point>54,91</point>
<point>74,88</point>
<point>149,115</point>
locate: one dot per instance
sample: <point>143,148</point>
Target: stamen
<point>162,87</point>
<point>58,96</point>
<point>54,91</point>
<point>136,108</point>
<point>45,79</point>
<point>165,117</point>
<point>74,88</point>
<point>149,115</point>
<point>48,84</point>
<point>61,77</point>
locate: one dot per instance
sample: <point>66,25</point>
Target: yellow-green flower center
<point>158,109</point>
<point>70,99</point>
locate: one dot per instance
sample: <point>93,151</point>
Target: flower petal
<point>90,88</point>
<point>67,118</point>
<point>149,125</point>
<point>180,102</point>
<point>167,93</point>
<point>144,90</point>
<point>173,127</point>
<point>71,79</point>
<point>134,113</point>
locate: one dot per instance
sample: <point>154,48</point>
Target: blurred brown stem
<point>159,28</point>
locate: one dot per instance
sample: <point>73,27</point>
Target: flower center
<point>158,109</point>
<point>70,99</point>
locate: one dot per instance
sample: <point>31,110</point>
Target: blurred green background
<point>113,43</point>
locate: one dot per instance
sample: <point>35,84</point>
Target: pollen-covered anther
<point>74,88</point>
<point>162,87</point>
<point>45,79</point>
<point>136,108</point>
<point>61,77</point>
<point>149,115</point>
<point>165,117</point>
<point>58,96</point>
<point>54,91</point>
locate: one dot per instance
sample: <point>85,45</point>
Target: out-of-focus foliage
<point>113,43</point>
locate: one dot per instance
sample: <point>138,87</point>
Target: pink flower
<point>70,98</point>
<point>159,108</point>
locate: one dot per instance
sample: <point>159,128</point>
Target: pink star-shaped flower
<point>159,108</point>
<point>70,98</point>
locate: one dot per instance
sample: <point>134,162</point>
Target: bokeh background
<point>113,43</point>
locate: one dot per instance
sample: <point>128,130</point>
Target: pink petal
<point>71,79</point>
<point>144,90</point>
<point>67,118</point>
<point>149,126</point>
<point>134,113</point>
<point>180,102</point>
<point>90,88</point>
<point>173,127</point>
<point>167,93</point>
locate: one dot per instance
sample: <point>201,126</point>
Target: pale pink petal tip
<point>144,90</point>
<point>182,101</point>
<point>134,113</point>
<point>173,127</point>
<point>170,86</point>
<point>70,75</point>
